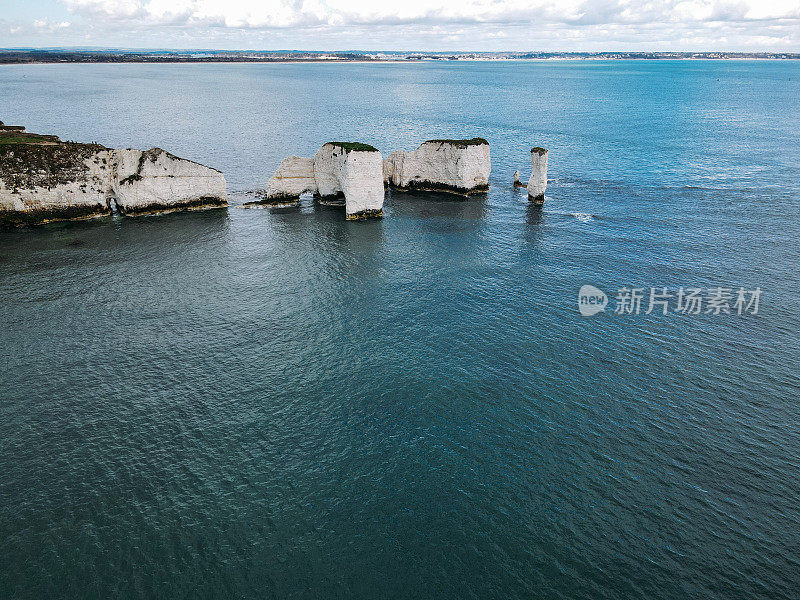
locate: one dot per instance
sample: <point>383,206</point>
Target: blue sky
<point>752,25</point>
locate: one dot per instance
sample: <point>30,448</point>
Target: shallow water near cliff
<point>260,403</point>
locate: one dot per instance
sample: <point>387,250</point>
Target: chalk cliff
<point>155,180</point>
<point>52,182</point>
<point>537,184</point>
<point>295,176</point>
<point>350,170</point>
<point>458,166</point>
<point>43,179</point>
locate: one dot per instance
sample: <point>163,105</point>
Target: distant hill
<point>73,55</point>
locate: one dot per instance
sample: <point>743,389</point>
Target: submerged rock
<point>44,179</point>
<point>339,170</point>
<point>537,184</point>
<point>457,166</point>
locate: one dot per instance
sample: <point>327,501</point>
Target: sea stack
<point>348,170</point>
<point>455,166</point>
<point>44,179</point>
<point>355,171</point>
<point>537,183</point>
<point>156,181</point>
<point>295,176</point>
<point>517,182</point>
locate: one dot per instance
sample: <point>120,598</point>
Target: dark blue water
<point>281,404</point>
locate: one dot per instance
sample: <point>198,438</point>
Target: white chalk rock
<point>44,179</point>
<point>155,180</point>
<point>295,176</point>
<point>42,183</point>
<point>537,184</point>
<point>339,169</point>
<point>459,166</point>
<point>388,169</point>
<point>355,171</point>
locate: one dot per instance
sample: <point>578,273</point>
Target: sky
<point>432,25</point>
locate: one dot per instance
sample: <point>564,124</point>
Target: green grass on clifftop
<point>26,138</point>
<point>461,143</point>
<point>354,146</point>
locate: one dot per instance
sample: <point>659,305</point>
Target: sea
<point>278,403</point>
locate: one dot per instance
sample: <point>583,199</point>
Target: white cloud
<point>298,13</point>
<point>111,9</point>
<point>46,25</point>
<point>431,24</point>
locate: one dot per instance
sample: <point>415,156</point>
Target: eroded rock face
<point>295,176</point>
<point>155,180</point>
<point>53,182</point>
<point>44,179</point>
<point>537,184</point>
<point>458,166</point>
<point>353,172</point>
<point>339,169</point>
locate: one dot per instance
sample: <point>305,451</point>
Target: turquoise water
<point>281,404</point>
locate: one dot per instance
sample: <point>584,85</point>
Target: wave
<point>583,217</point>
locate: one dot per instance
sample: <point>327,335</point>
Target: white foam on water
<point>583,217</point>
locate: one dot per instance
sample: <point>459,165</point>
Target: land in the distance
<point>78,55</point>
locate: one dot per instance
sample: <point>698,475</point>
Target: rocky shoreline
<point>44,179</point>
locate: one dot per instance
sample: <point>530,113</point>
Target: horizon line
<point>407,51</point>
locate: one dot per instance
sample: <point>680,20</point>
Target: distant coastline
<point>71,55</point>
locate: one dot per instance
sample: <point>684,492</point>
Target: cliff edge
<point>43,179</point>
